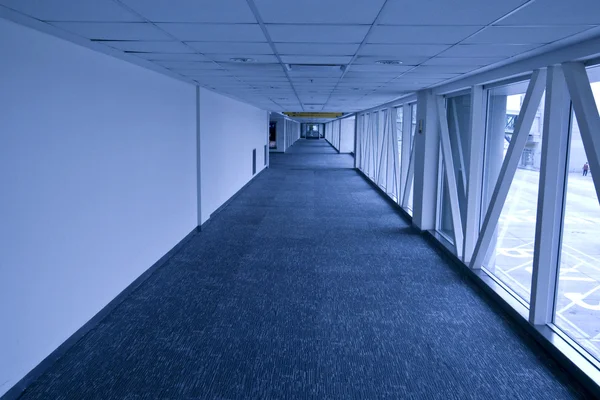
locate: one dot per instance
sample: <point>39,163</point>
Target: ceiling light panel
<point>187,65</point>
<point>327,49</point>
<point>442,69</point>
<point>524,35</point>
<point>329,60</point>
<point>318,33</point>
<point>421,34</point>
<point>114,30</point>
<point>476,61</point>
<point>69,10</point>
<point>215,32</point>
<point>149,46</point>
<point>401,50</point>
<point>221,11</point>
<point>487,50</point>
<point>171,56</point>
<point>381,68</point>
<point>318,11</point>
<point>444,12</point>
<point>231,48</point>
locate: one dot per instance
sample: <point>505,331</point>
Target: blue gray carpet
<point>308,285</point>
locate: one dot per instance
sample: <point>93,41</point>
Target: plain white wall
<point>229,131</point>
<point>347,135</point>
<point>97,182</point>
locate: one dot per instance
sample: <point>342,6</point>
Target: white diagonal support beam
<point>586,112</point>
<point>534,93</point>
<point>459,151</point>
<point>475,174</point>
<point>406,148</point>
<point>409,176</point>
<point>555,141</point>
<point>450,175</point>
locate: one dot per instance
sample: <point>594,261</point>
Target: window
<point>577,307</point>
<point>510,258</point>
<point>458,117</point>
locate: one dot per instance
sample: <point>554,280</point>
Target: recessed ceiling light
<point>388,62</point>
<point>242,59</point>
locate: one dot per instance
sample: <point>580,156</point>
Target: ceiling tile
<point>316,59</point>
<point>69,10</point>
<point>318,33</point>
<point>556,12</point>
<point>319,11</point>
<point>215,32</point>
<point>225,11</point>
<point>171,56</point>
<point>149,46</point>
<point>476,61</point>
<point>231,48</point>
<point>401,50</point>
<point>486,50</point>
<point>337,49</point>
<point>114,30</point>
<point>444,69</point>
<point>524,35</point>
<point>187,65</point>
<point>421,34</point>
<point>444,12</point>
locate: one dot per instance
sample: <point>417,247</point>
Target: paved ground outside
<point>578,294</point>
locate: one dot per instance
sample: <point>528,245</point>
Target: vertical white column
<point>555,143</point>
<point>199,157</point>
<point>425,156</point>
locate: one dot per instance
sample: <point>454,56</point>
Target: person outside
<point>586,168</point>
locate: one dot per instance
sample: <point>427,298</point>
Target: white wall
<point>229,130</point>
<point>347,135</point>
<point>97,180</point>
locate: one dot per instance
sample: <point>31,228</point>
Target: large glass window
<point>578,295</point>
<point>510,258</point>
<point>458,116</point>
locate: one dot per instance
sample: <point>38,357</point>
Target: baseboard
<point>385,196</point>
<point>228,201</point>
<point>18,389</point>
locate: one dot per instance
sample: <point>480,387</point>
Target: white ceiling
<point>435,40</point>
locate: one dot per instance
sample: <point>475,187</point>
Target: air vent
<point>388,62</point>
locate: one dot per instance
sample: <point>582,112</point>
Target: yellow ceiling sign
<point>313,114</point>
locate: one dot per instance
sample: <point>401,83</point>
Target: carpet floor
<point>308,285</point>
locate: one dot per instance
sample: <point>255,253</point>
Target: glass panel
<point>458,117</point>
<point>511,256</point>
<point>578,295</point>
<point>445,226</point>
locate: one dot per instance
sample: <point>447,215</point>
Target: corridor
<point>308,285</point>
